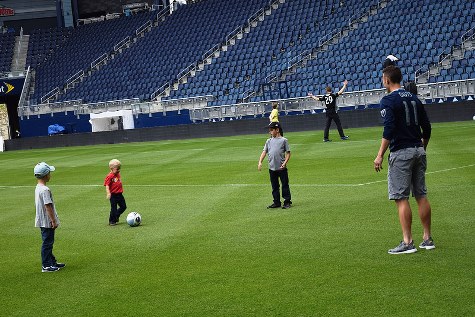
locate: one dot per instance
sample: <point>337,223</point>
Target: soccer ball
<point>134,219</point>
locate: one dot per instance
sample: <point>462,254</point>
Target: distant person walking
<point>329,100</point>
<point>406,133</point>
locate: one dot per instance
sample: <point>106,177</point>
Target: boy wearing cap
<point>114,192</point>
<point>278,151</point>
<point>46,217</point>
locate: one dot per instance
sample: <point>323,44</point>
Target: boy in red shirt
<point>114,192</point>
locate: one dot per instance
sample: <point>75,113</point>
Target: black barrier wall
<point>443,112</point>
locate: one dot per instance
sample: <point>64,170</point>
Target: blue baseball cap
<point>42,169</point>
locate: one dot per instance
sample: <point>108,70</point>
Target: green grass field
<point>209,247</point>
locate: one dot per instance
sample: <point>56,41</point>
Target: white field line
<point>233,185</point>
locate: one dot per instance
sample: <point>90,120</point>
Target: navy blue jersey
<point>330,102</point>
<point>405,120</point>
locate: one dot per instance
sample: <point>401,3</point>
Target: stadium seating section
<point>7,45</point>
<point>419,32</point>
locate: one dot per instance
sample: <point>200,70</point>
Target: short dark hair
<point>393,73</point>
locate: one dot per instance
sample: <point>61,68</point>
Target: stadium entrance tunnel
<point>10,91</point>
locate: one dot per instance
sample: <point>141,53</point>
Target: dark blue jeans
<point>47,257</point>
<point>117,200</point>
<point>284,179</point>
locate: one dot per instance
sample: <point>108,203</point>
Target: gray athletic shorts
<point>406,173</point>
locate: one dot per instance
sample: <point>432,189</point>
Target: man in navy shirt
<point>329,99</point>
<point>407,131</point>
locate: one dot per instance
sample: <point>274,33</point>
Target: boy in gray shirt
<point>277,150</point>
<point>46,217</point>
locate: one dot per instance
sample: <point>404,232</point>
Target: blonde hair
<point>114,163</point>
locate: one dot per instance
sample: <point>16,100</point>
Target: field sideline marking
<point>234,185</point>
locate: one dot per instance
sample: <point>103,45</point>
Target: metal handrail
<point>50,95</point>
<point>161,14</point>
<point>122,43</point>
<point>141,29</point>
<point>472,30</point>
<point>206,97</point>
<point>234,33</point>
<point>183,73</point>
<point>464,38</point>
<point>433,91</point>
<point>160,90</point>
<point>26,88</point>
<point>211,51</point>
<point>99,60</point>
<point>74,77</point>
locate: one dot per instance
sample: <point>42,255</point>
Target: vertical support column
<point>67,12</point>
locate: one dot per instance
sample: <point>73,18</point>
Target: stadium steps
<point>165,91</point>
<point>19,54</point>
<point>97,64</point>
<point>314,53</point>
<point>446,61</point>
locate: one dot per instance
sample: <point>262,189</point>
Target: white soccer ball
<point>134,219</point>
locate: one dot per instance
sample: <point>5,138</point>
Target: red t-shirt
<point>115,184</point>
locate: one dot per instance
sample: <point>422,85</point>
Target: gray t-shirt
<point>43,197</point>
<point>275,149</point>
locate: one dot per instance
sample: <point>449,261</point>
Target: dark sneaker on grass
<point>49,269</point>
<point>327,140</point>
<point>403,248</point>
<point>345,137</point>
<point>274,205</point>
<point>427,244</point>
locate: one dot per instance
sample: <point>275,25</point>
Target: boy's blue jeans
<point>47,257</point>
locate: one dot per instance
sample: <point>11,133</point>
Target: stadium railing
<point>200,111</point>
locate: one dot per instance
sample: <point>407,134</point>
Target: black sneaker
<point>274,205</point>
<point>345,137</point>
<point>403,248</point>
<point>327,140</point>
<point>49,269</point>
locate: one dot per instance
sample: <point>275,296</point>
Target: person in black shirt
<point>329,100</point>
<point>406,133</point>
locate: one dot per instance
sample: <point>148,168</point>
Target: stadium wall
<point>36,126</point>
<point>30,15</point>
<point>440,112</point>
